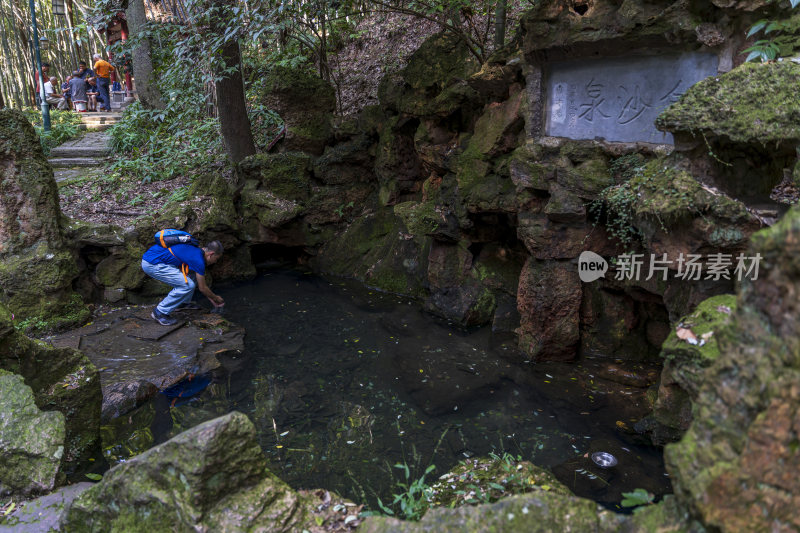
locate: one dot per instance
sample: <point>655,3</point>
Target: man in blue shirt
<point>172,265</point>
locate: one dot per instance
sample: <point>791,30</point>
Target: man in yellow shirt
<point>103,70</point>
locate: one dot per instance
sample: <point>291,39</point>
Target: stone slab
<point>130,350</point>
<point>618,99</point>
<point>43,514</point>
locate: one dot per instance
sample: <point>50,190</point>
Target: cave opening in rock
<point>267,255</point>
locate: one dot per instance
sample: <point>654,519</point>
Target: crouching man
<point>172,265</point>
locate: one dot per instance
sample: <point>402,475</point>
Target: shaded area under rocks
<point>138,358</point>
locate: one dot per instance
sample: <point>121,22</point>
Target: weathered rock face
<point>31,442</point>
<point>212,477</point>
<point>36,267</point>
<point>62,380</point>
<point>685,361</point>
<point>305,103</point>
<point>736,464</point>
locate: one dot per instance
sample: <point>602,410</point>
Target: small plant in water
<point>637,498</point>
<point>414,499</point>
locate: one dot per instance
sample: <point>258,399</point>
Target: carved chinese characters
<point>618,99</point>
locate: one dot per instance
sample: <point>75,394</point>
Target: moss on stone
<point>421,218</point>
<point>122,269</point>
<point>754,103</point>
<point>62,380</point>
<point>286,175</point>
<point>377,250</point>
<point>707,322</point>
<point>669,196</point>
<point>479,481</point>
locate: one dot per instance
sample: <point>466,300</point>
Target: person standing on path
<point>103,70</point>
<point>171,265</point>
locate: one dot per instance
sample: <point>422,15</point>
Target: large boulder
<point>36,267</point>
<point>31,442</point>
<point>212,477</point>
<point>306,104</point>
<point>434,81</point>
<point>62,380</point>
<point>741,129</point>
<point>737,464</point>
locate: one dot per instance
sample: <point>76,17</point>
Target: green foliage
<point>637,498</point>
<point>414,499</point>
<point>766,49</point>
<point>63,127</point>
<point>157,145</point>
<point>615,206</point>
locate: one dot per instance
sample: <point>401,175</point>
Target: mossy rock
<point>63,380</point>
<point>685,363</point>
<point>36,267</point>
<point>488,479</point>
<point>286,175</point>
<point>755,103</point>
<point>306,104</point>
<point>585,26</point>
<point>433,82</point>
<point>375,250</point>
<point>31,442</point>
<point>741,444</point>
<point>38,283</point>
<point>707,322</point>
<point>538,512</point>
<point>122,269</point>
<point>266,208</point>
<point>668,196</point>
<point>213,476</point>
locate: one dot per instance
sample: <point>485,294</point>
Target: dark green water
<point>343,383</point>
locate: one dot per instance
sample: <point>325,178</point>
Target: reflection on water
<point>343,383</point>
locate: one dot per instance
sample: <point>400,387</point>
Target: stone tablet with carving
<point>618,99</point>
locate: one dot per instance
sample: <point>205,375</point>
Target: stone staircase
<point>99,121</point>
<point>76,157</point>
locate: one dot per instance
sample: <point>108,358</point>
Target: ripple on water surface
<point>342,383</point>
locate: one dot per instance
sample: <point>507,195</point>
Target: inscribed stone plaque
<point>618,99</point>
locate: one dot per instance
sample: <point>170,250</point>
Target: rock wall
<point>37,266</point>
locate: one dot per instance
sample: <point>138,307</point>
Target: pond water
<point>344,382</point>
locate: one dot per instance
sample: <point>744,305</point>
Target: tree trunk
<point>231,107</point>
<point>146,88</point>
<point>500,24</point>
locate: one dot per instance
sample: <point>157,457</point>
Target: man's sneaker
<point>161,318</point>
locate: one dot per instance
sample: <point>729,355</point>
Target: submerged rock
<point>31,442</point>
<point>212,477</point>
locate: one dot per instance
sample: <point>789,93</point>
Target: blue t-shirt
<point>184,253</point>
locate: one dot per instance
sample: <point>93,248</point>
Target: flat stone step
<point>94,127</point>
<point>70,162</point>
<point>67,152</point>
